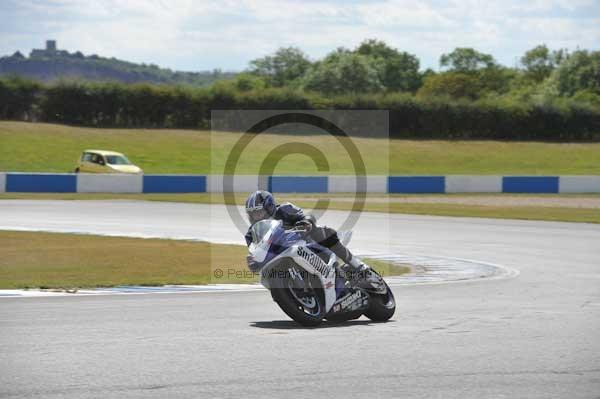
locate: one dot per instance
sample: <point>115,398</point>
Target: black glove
<point>303,225</point>
<point>310,218</point>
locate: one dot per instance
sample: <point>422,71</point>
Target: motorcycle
<point>308,283</point>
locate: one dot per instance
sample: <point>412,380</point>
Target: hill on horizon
<point>52,64</point>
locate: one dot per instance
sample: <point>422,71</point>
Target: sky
<point>195,35</point>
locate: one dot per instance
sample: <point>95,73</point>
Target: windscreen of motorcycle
<point>261,238</point>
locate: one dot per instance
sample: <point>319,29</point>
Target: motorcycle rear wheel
<point>381,307</point>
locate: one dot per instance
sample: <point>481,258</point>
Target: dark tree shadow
<point>292,325</point>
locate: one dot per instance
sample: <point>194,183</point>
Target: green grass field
<point>67,261</point>
<point>38,147</point>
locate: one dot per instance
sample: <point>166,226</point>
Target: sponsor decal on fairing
<point>314,261</point>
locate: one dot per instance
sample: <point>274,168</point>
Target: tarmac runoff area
<point>534,335</point>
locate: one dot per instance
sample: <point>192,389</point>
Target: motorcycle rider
<point>261,205</point>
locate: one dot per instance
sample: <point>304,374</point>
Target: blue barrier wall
<point>298,184</point>
<point>416,184</point>
<point>70,183</point>
<point>41,183</point>
<point>174,184</point>
<point>530,184</point>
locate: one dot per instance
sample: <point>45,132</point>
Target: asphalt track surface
<point>531,336</point>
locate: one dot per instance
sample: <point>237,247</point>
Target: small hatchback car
<point>99,161</point>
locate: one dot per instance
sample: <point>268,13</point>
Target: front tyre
<point>301,299</point>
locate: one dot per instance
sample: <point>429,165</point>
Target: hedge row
<point>154,106</point>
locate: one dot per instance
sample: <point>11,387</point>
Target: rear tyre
<point>381,307</point>
<point>302,300</point>
<point>76,170</point>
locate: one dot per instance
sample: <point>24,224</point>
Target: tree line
<point>48,66</point>
<point>553,95</point>
<point>465,73</point>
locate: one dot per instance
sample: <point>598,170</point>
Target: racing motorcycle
<point>308,283</point>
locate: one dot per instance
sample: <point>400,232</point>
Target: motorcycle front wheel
<point>301,299</point>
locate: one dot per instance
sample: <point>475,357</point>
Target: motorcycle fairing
<point>272,245</point>
<point>311,263</point>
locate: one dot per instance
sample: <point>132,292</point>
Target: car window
<point>117,160</point>
<point>87,157</point>
<point>97,158</point>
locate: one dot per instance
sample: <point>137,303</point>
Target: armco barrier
<point>89,183</point>
<point>174,184</point>
<point>241,183</point>
<point>530,184</point>
<point>41,182</point>
<point>473,184</point>
<point>106,183</point>
<point>298,184</point>
<point>579,184</point>
<point>348,184</point>
<point>416,184</point>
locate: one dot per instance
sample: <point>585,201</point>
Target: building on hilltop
<point>49,50</point>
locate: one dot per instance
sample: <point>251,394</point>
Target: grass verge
<point>380,203</point>
<point>385,268</point>
<point>58,260</point>
<point>40,147</point>
<point>555,214</point>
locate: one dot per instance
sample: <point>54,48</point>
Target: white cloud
<point>188,34</point>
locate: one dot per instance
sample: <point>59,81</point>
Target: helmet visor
<point>256,215</point>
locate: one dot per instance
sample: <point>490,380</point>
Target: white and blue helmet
<point>260,205</point>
